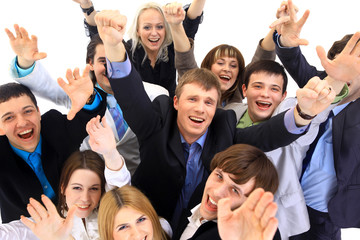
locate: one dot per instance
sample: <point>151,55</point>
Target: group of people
<point>143,154</point>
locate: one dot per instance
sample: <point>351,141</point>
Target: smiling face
<point>20,122</point>
<point>264,94</point>
<point>132,224</point>
<point>220,185</point>
<point>151,30</point>
<point>84,191</point>
<point>98,66</point>
<point>226,69</point>
<point>196,108</point>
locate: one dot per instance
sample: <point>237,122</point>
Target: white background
<point>58,25</point>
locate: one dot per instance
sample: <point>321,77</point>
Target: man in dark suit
<point>34,147</point>
<point>236,173</point>
<point>331,173</point>
<point>179,137</point>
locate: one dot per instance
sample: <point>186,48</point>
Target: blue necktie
<point>116,113</point>
<point>35,163</point>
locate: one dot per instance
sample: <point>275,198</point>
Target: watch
<point>88,11</point>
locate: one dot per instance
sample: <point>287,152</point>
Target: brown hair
<point>338,46</point>
<point>201,76</point>
<point>79,160</point>
<point>126,196</point>
<point>225,50</point>
<point>15,90</point>
<point>246,162</point>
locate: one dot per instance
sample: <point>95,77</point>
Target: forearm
<point>185,61</point>
<point>181,41</point>
<point>267,43</point>
<point>90,19</point>
<point>113,160</point>
<point>196,8</point>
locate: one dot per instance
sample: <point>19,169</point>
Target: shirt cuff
<point>290,125</point>
<point>95,103</point>
<point>276,38</point>
<point>118,69</point>
<point>117,178</point>
<point>21,71</point>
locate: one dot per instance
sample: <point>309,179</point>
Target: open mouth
<point>26,134</point>
<point>196,120</point>
<point>225,78</point>
<point>83,207</point>
<point>212,205</point>
<point>263,105</point>
<point>154,40</point>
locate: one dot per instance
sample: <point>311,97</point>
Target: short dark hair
<point>268,66</point>
<point>201,76</point>
<point>245,162</point>
<point>90,53</point>
<point>15,90</point>
<point>338,46</point>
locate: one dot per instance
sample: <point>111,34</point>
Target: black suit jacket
<point>344,208</point>
<point>60,138</point>
<point>161,173</point>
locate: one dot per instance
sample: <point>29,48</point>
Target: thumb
<point>38,56</point>
<point>71,114</point>
<point>224,209</point>
<point>303,42</point>
<point>69,221</point>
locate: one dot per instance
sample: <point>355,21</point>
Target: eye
<point>8,118</point>
<point>122,227</point>
<point>275,89</point>
<point>209,103</point>
<point>220,63</point>
<point>76,188</point>
<point>94,189</point>
<point>146,27</point>
<point>233,66</point>
<point>219,176</point>
<point>28,111</point>
<point>192,99</point>
<point>142,219</point>
<point>160,27</point>
<point>234,190</point>
<point>257,86</point>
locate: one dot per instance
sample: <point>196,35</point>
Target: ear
<point>284,96</point>
<point>91,65</point>
<point>244,90</point>
<point>176,102</point>
<point>2,132</point>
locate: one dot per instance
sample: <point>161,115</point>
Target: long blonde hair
<point>126,196</point>
<point>136,41</point>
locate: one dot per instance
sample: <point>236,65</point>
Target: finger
<point>356,50</point>
<point>280,21</point>
<point>71,114</point>
<point>27,222</point>
<point>10,34</point>
<point>24,33</point>
<point>40,209</point>
<point>39,55</point>
<point>322,56</point>
<point>312,83</point>
<point>76,73</point>
<point>253,199</point>
<point>306,93</point>
<point>224,208</point>
<point>62,84</point>
<point>328,96</point>
<point>291,10</point>
<point>351,43</point>
<point>97,123</point>
<point>104,122</point>
<point>69,75</point>
<point>303,42</point>
<point>86,70</point>
<point>70,217</point>
<point>303,19</point>
<point>270,229</point>
<point>33,213</point>
<point>263,203</point>
<point>17,31</point>
<point>269,213</point>
<point>49,204</point>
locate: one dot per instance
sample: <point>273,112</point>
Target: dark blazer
<point>344,208</point>
<point>161,173</point>
<point>18,181</point>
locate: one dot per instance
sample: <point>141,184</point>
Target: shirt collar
<point>339,108</point>
<point>200,141</point>
<point>24,154</point>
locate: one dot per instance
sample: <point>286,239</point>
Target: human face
<point>219,185</point>
<point>264,94</point>
<point>132,224</point>
<point>226,69</point>
<point>83,191</point>
<point>151,30</point>
<point>196,108</point>
<point>99,69</point>
<point>20,122</point>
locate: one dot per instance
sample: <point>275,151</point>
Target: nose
<point>199,107</point>
<point>85,196</point>
<point>21,121</point>
<point>135,233</point>
<point>220,191</point>
<point>226,67</point>
<point>265,92</point>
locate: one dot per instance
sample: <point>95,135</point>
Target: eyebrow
<point>9,113</point>
<point>101,58</point>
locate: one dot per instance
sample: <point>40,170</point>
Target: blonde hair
<point>126,196</point>
<point>136,41</point>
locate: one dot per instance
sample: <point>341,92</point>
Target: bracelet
<point>303,115</point>
<point>88,11</point>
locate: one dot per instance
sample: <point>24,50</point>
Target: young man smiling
<point>34,147</point>
<point>179,137</point>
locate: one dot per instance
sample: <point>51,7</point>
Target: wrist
<point>87,8</point>
<point>304,115</point>
<point>23,63</point>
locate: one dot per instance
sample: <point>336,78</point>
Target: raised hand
<point>314,98</point>
<point>79,89</point>
<point>47,222</point>
<point>84,3</point>
<point>102,141</point>
<point>289,27</point>
<point>174,13</point>
<point>346,66</point>
<point>255,219</point>
<point>24,47</point>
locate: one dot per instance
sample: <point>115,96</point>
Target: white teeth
<point>154,40</point>
<point>25,132</point>
<point>224,76</point>
<point>266,103</point>
<point>212,201</point>
<point>81,206</point>
<point>197,119</point>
